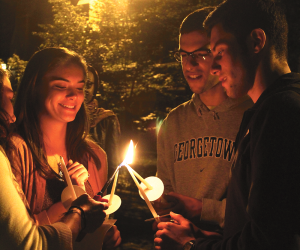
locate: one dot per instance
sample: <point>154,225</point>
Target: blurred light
<point>158,124</point>
<point>83,2</point>
<point>129,156</point>
<point>3,66</point>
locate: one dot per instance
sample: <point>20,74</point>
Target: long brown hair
<point>27,109</point>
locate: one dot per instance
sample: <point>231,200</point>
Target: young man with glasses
<point>196,142</point>
<point>249,43</point>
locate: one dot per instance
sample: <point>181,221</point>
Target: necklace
<point>55,165</point>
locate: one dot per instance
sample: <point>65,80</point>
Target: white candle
<point>113,189</point>
<point>140,177</point>
<point>67,177</point>
<point>152,210</point>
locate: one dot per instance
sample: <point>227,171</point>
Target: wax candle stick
<point>140,177</point>
<point>67,177</point>
<point>152,210</point>
<point>113,189</point>
<point>110,180</point>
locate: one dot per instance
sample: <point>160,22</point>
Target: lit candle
<point>113,189</point>
<point>140,177</point>
<point>156,217</point>
<point>127,160</point>
<point>67,177</point>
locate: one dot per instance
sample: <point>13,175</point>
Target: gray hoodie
<point>195,150</point>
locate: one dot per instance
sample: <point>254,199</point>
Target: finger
<point>157,242</point>
<point>177,217</point>
<point>74,166</point>
<point>114,237</point>
<point>79,178</point>
<point>78,171</point>
<point>161,226</point>
<point>70,162</point>
<point>118,242</point>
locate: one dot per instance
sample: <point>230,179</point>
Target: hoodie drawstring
<point>216,116</point>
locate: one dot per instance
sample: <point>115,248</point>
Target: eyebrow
<point>221,41</point>
<point>57,78</point>
<point>200,49</point>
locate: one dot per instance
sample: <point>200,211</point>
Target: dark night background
<point>19,18</point>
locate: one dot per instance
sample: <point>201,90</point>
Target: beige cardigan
<point>17,230</point>
<point>33,184</point>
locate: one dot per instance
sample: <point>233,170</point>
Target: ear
<point>258,39</point>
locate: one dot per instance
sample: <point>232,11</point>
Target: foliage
<point>17,67</point>
<point>131,44</point>
<point>71,29</point>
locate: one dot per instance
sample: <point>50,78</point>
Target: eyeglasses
<point>198,55</point>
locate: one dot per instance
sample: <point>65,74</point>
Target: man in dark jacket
<point>249,45</point>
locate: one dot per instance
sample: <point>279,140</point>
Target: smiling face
<point>62,94</point>
<point>7,97</point>
<point>230,63</point>
<point>197,73</point>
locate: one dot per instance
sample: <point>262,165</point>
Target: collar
<point>284,82</point>
<point>226,105</point>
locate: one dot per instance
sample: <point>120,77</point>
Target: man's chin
<point>196,88</point>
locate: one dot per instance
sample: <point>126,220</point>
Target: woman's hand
<point>78,173</point>
<point>112,238</point>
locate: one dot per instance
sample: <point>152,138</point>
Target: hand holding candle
<point>67,177</point>
<point>71,192</point>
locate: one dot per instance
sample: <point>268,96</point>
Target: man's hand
<point>78,173</point>
<point>165,204</point>
<point>112,238</point>
<point>174,235</point>
<point>186,206</point>
<point>181,204</point>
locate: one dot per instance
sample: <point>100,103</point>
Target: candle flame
<point>129,156</point>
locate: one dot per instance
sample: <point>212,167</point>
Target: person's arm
<point>273,201</point>
<point>175,235</point>
<point>17,229</point>
<point>27,176</point>
<point>213,210</point>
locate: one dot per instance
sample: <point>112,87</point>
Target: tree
<point>17,67</point>
<point>131,44</point>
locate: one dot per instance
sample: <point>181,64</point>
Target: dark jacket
<point>105,130</point>
<point>263,200</point>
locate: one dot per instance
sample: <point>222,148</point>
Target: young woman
<point>17,230</point>
<point>52,122</point>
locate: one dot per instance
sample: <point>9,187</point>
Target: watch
<point>190,245</point>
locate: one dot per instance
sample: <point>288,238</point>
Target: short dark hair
<point>194,21</point>
<point>240,17</point>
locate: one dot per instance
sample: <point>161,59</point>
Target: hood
<point>226,105</point>
<point>285,82</point>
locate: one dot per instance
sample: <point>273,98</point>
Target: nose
<point>215,68</point>
<point>72,93</point>
<point>191,62</point>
